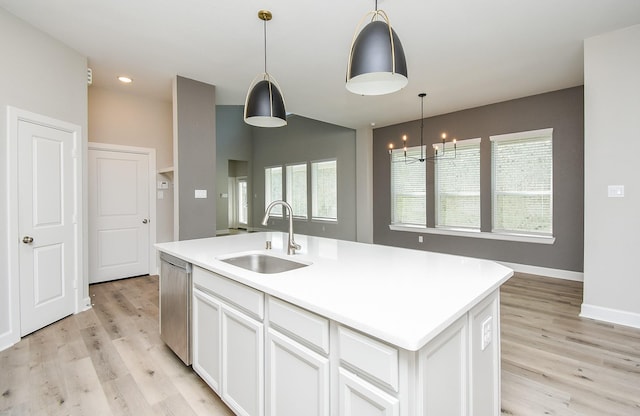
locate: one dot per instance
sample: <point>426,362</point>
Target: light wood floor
<point>110,361</point>
<point>556,363</point>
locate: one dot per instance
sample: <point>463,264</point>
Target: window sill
<point>475,234</point>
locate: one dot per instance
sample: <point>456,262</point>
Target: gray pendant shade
<point>376,66</point>
<point>264,106</point>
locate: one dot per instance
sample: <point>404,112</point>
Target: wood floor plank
<point>14,377</point>
<point>148,374</point>
<point>85,395</point>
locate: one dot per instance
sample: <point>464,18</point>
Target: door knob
<point>27,240</point>
<point>144,221</point>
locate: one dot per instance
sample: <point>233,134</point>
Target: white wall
<point>131,120</point>
<point>612,146</point>
<point>41,75</point>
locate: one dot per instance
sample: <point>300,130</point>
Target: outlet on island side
<point>487,332</point>
<point>420,239</point>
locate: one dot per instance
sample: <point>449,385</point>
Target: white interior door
<point>46,200</point>
<point>119,220</point>
<point>243,203</point>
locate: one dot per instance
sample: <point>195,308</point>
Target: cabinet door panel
<point>298,379</point>
<point>206,316</point>
<point>242,363</point>
<point>359,398</point>
<point>443,372</point>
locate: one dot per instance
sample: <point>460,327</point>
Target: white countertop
<point>404,297</point>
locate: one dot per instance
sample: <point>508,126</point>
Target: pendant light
<point>264,105</point>
<point>376,61</point>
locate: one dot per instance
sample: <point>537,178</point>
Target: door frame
<point>14,116</point>
<point>151,153</point>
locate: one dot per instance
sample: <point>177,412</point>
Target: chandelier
<point>439,149</point>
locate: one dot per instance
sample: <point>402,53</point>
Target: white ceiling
<point>462,53</point>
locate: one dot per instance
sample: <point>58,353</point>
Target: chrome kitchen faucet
<point>291,246</point>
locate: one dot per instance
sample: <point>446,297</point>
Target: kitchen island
<point>361,329</point>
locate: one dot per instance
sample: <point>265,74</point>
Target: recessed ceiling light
<point>125,80</point>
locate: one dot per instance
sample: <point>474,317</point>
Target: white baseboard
<point>614,316</point>
<point>8,339</point>
<point>85,305</point>
<point>545,271</point>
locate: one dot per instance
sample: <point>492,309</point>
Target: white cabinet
<point>298,370</point>
<point>263,355</point>
<point>443,372</point>
<point>360,398</point>
<point>297,378</point>
<point>206,314</point>
<point>228,340</point>
<point>242,363</point>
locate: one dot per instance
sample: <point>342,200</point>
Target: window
<point>457,187</point>
<point>522,165</point>
<point>297,189</point>
<point>273,188</point>
<point>408,188</point>
<point>324,190</point>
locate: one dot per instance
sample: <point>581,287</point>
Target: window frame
<point>289,197</point>
<point>408,159</point>
<point>531,135</point>
<point>277,210</point>
<point>313,191</point>
<point>460,145</point>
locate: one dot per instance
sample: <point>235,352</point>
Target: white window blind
<point>408,188</point>
<point>324,190</point>
<point>457,186</point>
<point>297,189</point>
<point>273,188</point>
<point>522,165</point>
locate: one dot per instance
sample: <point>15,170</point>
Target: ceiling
<point>462,53</point>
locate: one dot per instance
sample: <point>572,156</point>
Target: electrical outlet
<point>420,239</point>
<point>487,332</point>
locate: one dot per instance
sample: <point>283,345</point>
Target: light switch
<point>615,191</point>
<point>201,193</point>
<point>160,194</point>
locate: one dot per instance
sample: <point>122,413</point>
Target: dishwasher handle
<point>175,261</point>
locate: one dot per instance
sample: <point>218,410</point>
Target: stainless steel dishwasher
<point>175,305</point>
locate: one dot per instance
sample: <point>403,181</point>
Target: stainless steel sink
<point>262,263</point>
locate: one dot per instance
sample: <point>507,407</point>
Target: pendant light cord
<point>265,47</point>
<point>421,125</point>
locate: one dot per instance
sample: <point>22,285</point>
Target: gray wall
<point>561,110</point>
<point>233,137</point>
<point>195,129</point>
<point>307,140</point>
